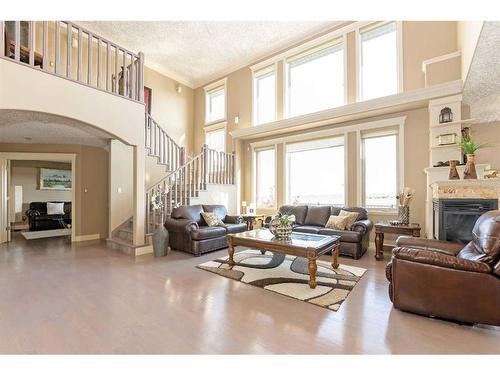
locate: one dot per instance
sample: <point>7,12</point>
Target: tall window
<point>264,96</point>
<point>265,178</point>
<point>380,168</point>
<point>378,62</point>
<point>315,172</point>
<point>215,104</point>
<point>316,80</point>
<point>216,139</point>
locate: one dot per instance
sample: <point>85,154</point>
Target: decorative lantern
<point>446,115</point>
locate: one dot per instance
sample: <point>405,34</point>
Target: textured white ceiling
<point>482,87</point>
<point>196,52</point>
<point>33,127</point>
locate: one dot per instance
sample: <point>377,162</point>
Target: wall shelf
<point>466,121</point>
<point>455,145</point>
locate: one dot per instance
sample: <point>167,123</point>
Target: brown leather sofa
<point>312,219</point>
<point>188,231</point>
<point>446,279</point>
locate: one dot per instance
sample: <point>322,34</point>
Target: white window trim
<point>304,46</point>
<point>254,107</point>
<point>254,163</point>
<point>357,128</point>
<point>305,138</point>
<point>399,52</point>
<point>214,127</point>
<point>399,122</point>
<point>342,39</point>
<point>211,87</point>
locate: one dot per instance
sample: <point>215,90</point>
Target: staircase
<point>183,181</point>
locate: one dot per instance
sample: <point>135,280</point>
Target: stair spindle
<point>31,43</point>
<point>17,47</point>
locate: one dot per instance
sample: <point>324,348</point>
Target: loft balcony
<point>71,52</point>
<point>60,68</point>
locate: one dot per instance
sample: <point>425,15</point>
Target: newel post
<point>204,149</point>
<point>182,156</point>
<point>140,75</point>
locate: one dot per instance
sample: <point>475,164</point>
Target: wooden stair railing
<point>91,60</point>
<point>185,183</point>
<point>162,146</point>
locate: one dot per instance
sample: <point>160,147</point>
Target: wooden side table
<point>251,219</point>
<point>381,228</point>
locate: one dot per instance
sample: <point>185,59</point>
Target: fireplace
<point>453,219</point>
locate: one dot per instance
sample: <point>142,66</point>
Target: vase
<point>160,242</point>
<point>281,231</point>
<point>470,168</point>
<point>453,171</point>
<point>404,214</point>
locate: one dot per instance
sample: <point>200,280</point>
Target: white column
<point>139,194</point>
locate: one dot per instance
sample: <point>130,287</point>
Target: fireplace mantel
<point>466,189</point>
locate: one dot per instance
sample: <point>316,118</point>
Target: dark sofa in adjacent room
<point>39,219</point>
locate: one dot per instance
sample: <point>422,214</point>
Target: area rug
<point>288,275</point>
<point>46,233</point>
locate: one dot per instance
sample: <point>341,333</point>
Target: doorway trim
<point>46,156</point>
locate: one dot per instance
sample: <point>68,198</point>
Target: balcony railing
<point>69,51</point>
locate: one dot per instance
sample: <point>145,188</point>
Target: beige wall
<point>27,175</point>
<point>121,184</point>
<point>490,134</point>
<point>91,175</point>
<point>172,110</point>
<point>423,40</point>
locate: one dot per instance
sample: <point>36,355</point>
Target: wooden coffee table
<point>310,246</point>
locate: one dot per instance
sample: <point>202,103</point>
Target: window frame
<point>215,128</point>
<point>210,89</point>
<point>255,175</point>
<point>308,50</point>
<point>399,54</point>
<point>311,138</point>
<point>256,74</point>
<point>400,161</point>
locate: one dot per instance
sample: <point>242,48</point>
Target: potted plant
<point>469,146</point>
<point>281,225</point>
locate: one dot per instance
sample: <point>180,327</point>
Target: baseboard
<point>144,250</point>
<point>86,237</point>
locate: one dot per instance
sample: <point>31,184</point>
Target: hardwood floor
<point>61,298</point>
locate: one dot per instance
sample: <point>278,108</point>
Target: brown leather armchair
<point>447,280</point>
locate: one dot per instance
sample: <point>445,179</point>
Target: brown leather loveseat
<point>188,231</point>
<point>312,219</point>
<point>448,280</point>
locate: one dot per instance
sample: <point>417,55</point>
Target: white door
<point>4,200</point>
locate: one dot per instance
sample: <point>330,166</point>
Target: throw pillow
<point>352,217</point>
<point>212,219</point>
<point>337,222</point>
<point>55,208</point>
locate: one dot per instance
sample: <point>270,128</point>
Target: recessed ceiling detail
<point>196,52</point>
<point>34,127</point>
